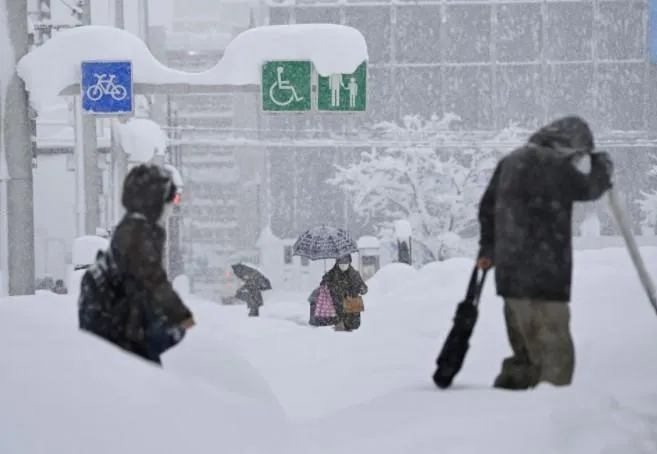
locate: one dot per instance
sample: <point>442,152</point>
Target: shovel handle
<point>620,214</point>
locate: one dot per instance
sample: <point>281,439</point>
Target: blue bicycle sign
<point>107,87</point>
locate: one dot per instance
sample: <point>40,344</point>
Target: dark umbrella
<point>324,242</point>
<point>249,272</point>
<point>451,357</point>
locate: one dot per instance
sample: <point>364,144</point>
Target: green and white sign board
<point>286,86</point>
<point>343,92</point>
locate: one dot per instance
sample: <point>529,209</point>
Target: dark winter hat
<point>146,189</point>
<point>345,259</point>
<point>571,132</point>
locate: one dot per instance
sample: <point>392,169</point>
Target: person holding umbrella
<point>254,284</point>
<point>344,283</point>
<point>346,287</point>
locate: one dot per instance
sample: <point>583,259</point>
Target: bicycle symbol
<point>283,85</point>
<point>105,85</point>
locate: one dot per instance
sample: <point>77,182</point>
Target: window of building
<point>519,32</point>
<point>420,91</point>
<point>468,33</point>
<point>282,177</point>
<point>381,97</point>
<point>570,89</point>
<point>468,94</point>
<point>569,31</point>
<point>620,30</point>
<point>318,202</point>
<point>374,23</point>
<point>519,95</point>
<point>620,95</point>
<point>417,34</point>
<point>317,15</point>
<point>279,16</point>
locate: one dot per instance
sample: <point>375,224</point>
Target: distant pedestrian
<point>344,282</point>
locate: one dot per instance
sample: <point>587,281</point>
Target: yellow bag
<point>353,305</point>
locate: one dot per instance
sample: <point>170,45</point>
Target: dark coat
<point>250,294</point>
<point>525,214</point>
<point>342,284</point>
<point>126,297</point>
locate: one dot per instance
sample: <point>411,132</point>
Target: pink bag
<point>324,306</point>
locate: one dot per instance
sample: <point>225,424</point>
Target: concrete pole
<point>119,158</point>
<point>90,158</point>
<point>17,140</point>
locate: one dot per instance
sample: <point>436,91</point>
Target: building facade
<point>491,62</point>
<point>502,61</point>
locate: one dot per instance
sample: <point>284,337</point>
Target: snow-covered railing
<point>365,142</point>
<point>53,69</point>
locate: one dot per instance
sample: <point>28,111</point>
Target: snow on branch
<point>425,180</point>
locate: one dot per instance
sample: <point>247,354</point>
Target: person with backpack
<point>125,296</point>
<point>525,218</point>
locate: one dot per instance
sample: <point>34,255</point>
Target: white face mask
<point>343,266</point>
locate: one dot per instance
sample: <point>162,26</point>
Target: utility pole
<point>88,209</point>
<point>119,158</point>
<point>16,142</point>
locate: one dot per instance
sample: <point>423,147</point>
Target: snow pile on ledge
<point>51,68</point>
<point>86,247</point>
<point>141,138</point>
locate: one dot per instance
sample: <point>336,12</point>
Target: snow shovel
<point>451,357</point>
<point>620,214</point>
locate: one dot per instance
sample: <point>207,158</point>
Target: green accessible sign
<point>286,86</point>
<point>343,92</point>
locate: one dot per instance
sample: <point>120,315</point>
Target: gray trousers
<point>543,349</point>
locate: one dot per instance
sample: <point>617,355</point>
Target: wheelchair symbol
<point>283,85</point>
<point>105,85</point>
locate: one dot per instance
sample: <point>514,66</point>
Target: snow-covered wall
<point>7,66</point>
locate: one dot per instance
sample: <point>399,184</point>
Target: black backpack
<point>103,307</point>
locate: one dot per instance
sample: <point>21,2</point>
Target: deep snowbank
<point>380,398</point>
<point>62,391</point>
<point>367,391</point>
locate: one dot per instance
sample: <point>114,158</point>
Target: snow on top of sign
<point>332,49</point>
<point>50,68</point>
<point>54,66</point>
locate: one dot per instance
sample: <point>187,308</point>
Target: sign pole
<point>89,148</point>
<point>80,203</point>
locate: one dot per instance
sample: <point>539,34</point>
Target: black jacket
<point>525,215</point>
<point>343,284</point>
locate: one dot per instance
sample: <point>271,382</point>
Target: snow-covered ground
<point>274,384</point>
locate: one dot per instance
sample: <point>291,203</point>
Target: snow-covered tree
<point>428,176</point>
